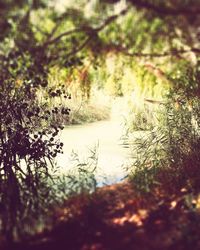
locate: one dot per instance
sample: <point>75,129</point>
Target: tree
<point>34,37</point>
<point>27,136</point>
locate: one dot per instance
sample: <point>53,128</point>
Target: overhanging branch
<point>89,31</point>
<point>57,39</point>
<point>111,19</point>
<point>164,10</point>
<point>124,51</point>
<point>79,48</point>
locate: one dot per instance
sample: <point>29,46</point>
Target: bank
<point>119,217</point>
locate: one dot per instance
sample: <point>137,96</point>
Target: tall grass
<point>169,152</point>
<point>81,178</point>
<point>82,107</point>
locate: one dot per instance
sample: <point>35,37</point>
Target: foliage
<point>170,151</point>
<point>185,77</point>
<point>38,36</point>
<point>84,104</point>
<point>28,146</point>
<point>88,113</point>
<point>81,179</point>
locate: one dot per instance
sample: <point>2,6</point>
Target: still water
<point>106,138</point>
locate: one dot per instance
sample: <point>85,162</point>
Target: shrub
<point>169,153</point>
<point>28,147</point>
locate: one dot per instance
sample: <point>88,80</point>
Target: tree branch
<point>79,48</point>
<point>73,51</point>
<point>111,19</point>
<point>51,34</point>
<point>120,49</point>
<point>90,31</point>
<point>164,10</point>
<point>67,33</point>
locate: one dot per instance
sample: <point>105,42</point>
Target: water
<point>107,137</point>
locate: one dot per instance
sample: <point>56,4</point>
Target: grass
<point>169,152</point>
<point>158,208</point>
<point>88,113</point>
<point>81,110</point>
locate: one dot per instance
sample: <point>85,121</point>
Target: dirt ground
<point>116,217</point>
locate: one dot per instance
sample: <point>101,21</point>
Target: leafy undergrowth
<point>118,217</point>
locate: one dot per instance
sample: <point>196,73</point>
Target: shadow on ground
<point>116,217</point>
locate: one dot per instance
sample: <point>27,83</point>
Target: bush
<point>169,153</point>
<point>28,147</point>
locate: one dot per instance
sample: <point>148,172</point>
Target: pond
<point>106,136</point>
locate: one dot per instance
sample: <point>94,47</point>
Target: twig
<point>67,33</point>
